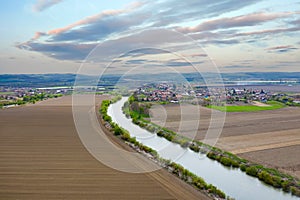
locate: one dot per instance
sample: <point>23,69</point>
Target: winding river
<point>233,182</point>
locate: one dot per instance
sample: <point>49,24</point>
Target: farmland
<point>249,134</point>
<point>271,105</point>
<point>42,157</point>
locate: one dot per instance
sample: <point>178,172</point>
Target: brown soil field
<point>247,134</point>
<point>42,157</point>
<point>284,158</point>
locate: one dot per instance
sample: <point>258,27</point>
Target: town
<point>14,96</point>
<point>231,95</point>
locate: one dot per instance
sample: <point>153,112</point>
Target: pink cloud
<point>91,19</point>
<point>272,31</point>
<point>239,21</point>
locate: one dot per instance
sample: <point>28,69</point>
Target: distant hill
<point>51,80</point>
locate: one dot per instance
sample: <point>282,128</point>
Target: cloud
<point>42,5</point>
<point>134,45</point>
<point>198,55</point>
<point>296,22</point>
<point>237,67</point>
<point>134,26</point>
<point>281,49</point>
<point>173,11</point>
<point>178,64</point>
<point>137,61</point>
<point>269,32</point>
<point>98,30</point>
<point>62,51</point>
<point>222,42</point>
<point>143,51</point>
<point>182,63</point>
<point>149,14</point>
<point>233,22</point>
<point>103,23</point>
<point>96,18</point>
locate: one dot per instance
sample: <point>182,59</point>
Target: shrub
<point>194,148</point>
<point>295,191</point>
<point>276,181</point>
<point>265,177</point>
<point>107,118</point>
<point>150,128</point>
<point>132,140</point>
<point>235,164</point>
<point>125,136</point>
<point>160,133</point>
<point>285,186</point>
<point>199,182</point>
<point>243,167</point>
<point>169,137</point>
<point>252,171</point>
<point>225,161</point>
<point>118,130</point>
<point>211,155</point>
<point>184,144</point>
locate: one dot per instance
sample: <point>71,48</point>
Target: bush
<point>252,171</point>
<point>212,155</point>
<point>169,137</point>
<point>285,186</point>
<point>225,161</point>
<point>125,136</point>
<point>118,130</point>
<point>107,118</point>
<point>243,167</point>
<point>235,164</point>
<point>265,177</point>
<point>276,181</point>
<point>160,133</point>
<point>132,140</point>
<point>184,144</point>
<point>295,191</point>
<point>194,148</point>
<point>199,182</point>
<point>150,128</point>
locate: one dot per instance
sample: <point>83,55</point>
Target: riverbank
<point>176,169</point>
<point>269,176</point>
<point>250,135</point>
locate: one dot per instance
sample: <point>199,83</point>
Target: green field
<point>6,93</point>
<point>273,105</point>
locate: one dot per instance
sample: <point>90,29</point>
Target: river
<point>233,182</point>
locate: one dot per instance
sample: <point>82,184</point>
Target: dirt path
<point>257,103</point>
<point>41,157</point>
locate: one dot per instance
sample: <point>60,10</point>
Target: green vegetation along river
<point>233,182</point>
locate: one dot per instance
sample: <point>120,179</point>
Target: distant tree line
<point>29,99</point>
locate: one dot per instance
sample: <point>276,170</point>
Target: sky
<point>64,36</point>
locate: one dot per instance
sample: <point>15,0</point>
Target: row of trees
<point>289,101</point>
<point>121,132</point>
<point>176,169</point>
<point>269,176</point>
<point>194,180</point>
